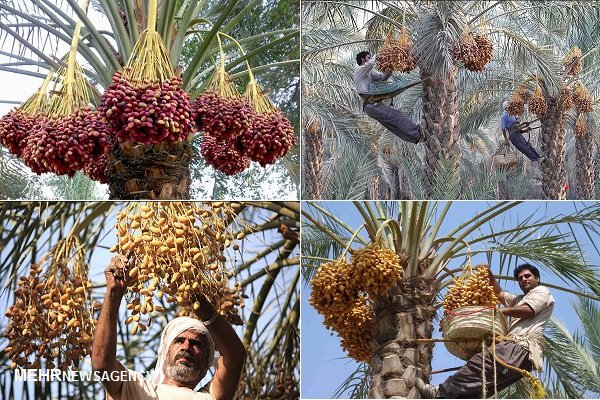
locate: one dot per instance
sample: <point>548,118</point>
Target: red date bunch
<point>223,118</point>
<point>14,129</point>
<point>147,111</point>
<point>65,145</point>
<point>223,155</point>
<point>97,170</point>
<point>271,137</point>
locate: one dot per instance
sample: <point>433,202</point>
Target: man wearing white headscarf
<point>186,351</point>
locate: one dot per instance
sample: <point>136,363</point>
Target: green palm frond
<point>446,181</point>
<point>79,187</point>
<point>357,385</point>
<point>588,312</point>
<point>15,183</point>
<point>349,173</point>
<point>570,359</point>
<point>438,30</point>
<point>481,180</point>
<point>342,15</point>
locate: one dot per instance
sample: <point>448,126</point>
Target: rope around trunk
<point>538,389</point>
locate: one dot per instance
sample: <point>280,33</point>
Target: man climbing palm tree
<point>392,119</point>
<point>511,129</point>
<point>529,314</point>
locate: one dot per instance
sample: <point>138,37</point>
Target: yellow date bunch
<point>177,251</point>
<point>472,288</point>
<point>341,290</point>
<point>52,318</point>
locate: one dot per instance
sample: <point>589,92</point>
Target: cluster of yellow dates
<point>177,251</point>
<point>340,292</point>
<point>52,317</point>
<point>472,288</point>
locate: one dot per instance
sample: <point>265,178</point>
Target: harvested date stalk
<point>18,123</point>
<point>225,117</point>
<point>537,102</point>
<point>272,134</point>
<point>145,103</point>
<point>178,251</point>
<point>52,319</point>
<point>516,105</point>
<point>582,99</point>
<point>573,62</point>
<point>376,269</point>
<point>580,126</point>
<point>341,292</point>
<point>472,288</point>
<point>474,51</point>
<point>73,135</point>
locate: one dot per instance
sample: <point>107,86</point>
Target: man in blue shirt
<point>511,130</point>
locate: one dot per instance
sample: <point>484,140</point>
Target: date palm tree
<point>458,109</point>
<point>267,271</point>
<point>34,32</point>
<point>424,235</point>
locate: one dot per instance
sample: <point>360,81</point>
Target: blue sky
<point>325,366</point>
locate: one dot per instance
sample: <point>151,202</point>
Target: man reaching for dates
<point>186,351</point>
<point>528,314</point>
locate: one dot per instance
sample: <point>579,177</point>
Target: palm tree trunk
<point>150,172</point>
<point>553,148</point>
<point>313,145</point>
<point>584,166</point>
<point>440,121</point>
<point>404,312</point>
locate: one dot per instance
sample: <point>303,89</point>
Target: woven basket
<point>505,157</point>
<point>473,322</point>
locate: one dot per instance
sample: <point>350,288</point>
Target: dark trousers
<point>394,121</point>
<point>466,383</point>
<point>517,139</point>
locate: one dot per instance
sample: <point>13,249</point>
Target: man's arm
<point>497,289</point>
<point>104,350</point>
<point>230,347</point>
<point>522,311</point>
<point>505,134</point>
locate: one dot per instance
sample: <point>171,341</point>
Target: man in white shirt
<point>186,351</point>
<point>391,118</point>
<point>528,314</point>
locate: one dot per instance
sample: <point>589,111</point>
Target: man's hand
<point>497,289</point>
<point>117,275</point>
<point>228,344</point>
<point>104,348</point>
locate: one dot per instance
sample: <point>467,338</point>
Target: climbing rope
<point>494,353</point>
<point>483,382</point>
<point>536,385</point>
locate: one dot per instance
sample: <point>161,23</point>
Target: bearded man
<point>186,351</point>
